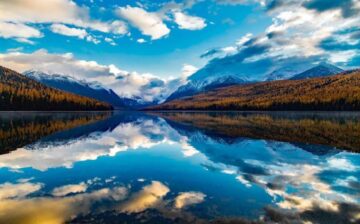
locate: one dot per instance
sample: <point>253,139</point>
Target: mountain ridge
<point>79,87</point>
<point>204,80</point>
<point>321,70</point>
<point>19,92</point>
<point>340,92</point>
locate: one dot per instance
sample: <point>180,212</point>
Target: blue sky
<point>146,48</point>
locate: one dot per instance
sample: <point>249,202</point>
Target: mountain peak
<point>320,70</point>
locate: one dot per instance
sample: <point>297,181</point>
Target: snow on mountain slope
<point>197,86</point>
<point>320,70</point>
<point>79,87</point>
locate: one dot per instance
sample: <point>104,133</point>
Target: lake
<point>186,167</point>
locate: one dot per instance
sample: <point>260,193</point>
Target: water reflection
<point>20,129</point>
<point>340,130</point>
<point>183,168</point>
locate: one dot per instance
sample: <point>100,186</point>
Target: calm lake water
<point>179,167</point>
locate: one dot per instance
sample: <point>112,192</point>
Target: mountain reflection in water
<point>179,168</point>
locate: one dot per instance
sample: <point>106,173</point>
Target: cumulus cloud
<point>229,50</point>
<point>141,40</point>
<point>53,63</point>
<point>153,23</point>
<point>188,22</point>
<point>23,20</point>
<point>187,149</point>
<point>341,164</point>
<point>25,14</point>
<point>188,70</point>
<point>148,197</point>
<point>188,198</point>
<point>148,23</point>
<point>19,31</point>
<point>18,190</point>
<point>110,41</point>
<point>68,31</point>
<point>56,210</point>
<point>71,188</point>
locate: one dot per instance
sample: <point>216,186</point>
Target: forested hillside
<point>340,92</point>
<point>18,92</point>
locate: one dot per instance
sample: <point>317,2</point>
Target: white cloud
<point>141,40</point>
<point>229,50</point>
<point>148,197</point>
<point>118,27</point>
<point>92,39</point>
<point>19,190</point>
<point>150,24</point>
<point>68,31</point>
<point>110,41</point>
<point>56,11</point>
<point>341,164</point>
<point>236,2</point>
<point>189,22</point>
<point>71,188</point>
<point>188,198</point>
<point>53,63</point>
<point>15,49</point>
<point>24,14</point>
<point>188,70</point>
<point>19,31</point>
<point>244,39</point>
<point>57,210</point>
<point>187,149</point>
<point>342,56</point>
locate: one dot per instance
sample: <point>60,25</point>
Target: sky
<point>148,48</point>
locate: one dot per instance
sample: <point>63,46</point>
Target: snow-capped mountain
<point>197,86</point>
<point>80,87</point>
<point>320,70</point>
<point>286,72</point>
<point>204,80</point>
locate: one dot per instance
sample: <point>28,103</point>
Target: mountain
<point>303,71</point>
<point>216,75</point>
<point>195,86</point>
<point>18,92</point>
<point>79,87</point>
<point>340,92</point>
<point>320,70</point>
<point>285,73</point>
